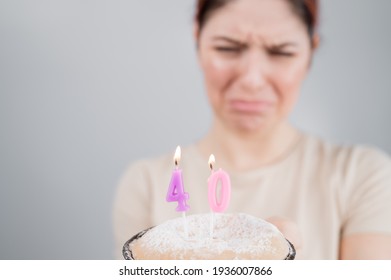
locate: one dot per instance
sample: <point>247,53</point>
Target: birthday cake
<point>210,237</point>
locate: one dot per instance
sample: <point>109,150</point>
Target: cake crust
<point>235,236</point>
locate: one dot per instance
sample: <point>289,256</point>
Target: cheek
<point>290,83</point>
<point>218,75</point>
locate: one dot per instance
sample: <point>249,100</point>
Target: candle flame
<point>212,161</point>
<point>177,155</point>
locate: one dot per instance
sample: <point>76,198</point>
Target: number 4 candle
<point>176,191</point>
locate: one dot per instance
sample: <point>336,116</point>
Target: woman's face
<point>255,55</point>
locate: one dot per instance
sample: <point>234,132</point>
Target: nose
<point>254,72</point>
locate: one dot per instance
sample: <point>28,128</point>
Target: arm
<point>366,233</point>
<point>368,246</point>
<point>131,212</point>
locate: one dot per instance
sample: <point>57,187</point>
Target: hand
<point>291,232</point>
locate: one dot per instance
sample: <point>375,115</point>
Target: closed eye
<point>281,53</point>
<point>228,49</point>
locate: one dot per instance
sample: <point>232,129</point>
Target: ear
<point>196,33</point>
<point>315,41</point>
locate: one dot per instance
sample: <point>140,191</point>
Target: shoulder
<point>346,156</point>
<point>356,173</point>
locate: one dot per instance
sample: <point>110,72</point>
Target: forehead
<point>262,19</point>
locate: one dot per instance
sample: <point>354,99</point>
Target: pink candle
<point>176,191</point>
<point>225,195</point>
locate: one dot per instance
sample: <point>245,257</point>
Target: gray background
<point>88,86</point>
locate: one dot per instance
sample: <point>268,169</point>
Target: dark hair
<point>307,10</point>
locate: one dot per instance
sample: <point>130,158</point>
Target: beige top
<point>327,190</point>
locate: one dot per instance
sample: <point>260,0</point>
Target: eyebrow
<point>283,45</point>
<point>234,41</point>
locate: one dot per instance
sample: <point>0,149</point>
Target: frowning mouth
<point>255,106</point>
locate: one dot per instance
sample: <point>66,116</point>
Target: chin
<point>250,124</point>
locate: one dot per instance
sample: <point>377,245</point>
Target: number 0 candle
<point>218,205</point>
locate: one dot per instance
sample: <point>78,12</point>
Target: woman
<point>332,202</point>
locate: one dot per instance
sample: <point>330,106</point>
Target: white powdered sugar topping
<point>235,233</point>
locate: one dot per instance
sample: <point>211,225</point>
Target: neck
<point>242,151</point>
